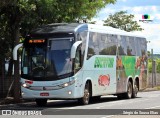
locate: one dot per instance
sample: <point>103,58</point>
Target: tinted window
<point>103,44</point>
<point>138,46</point>
<point>83,38</point>
<point>143,46</point>
<point>131,46</point>
<point>122,46</point>
<point>108,44</point>
<point>58,56</point>
<point>93,44</point>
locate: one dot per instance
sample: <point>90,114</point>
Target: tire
<point>128,95</point>
<point>41,102</point>
<point>135,90</point>
<point>86,97</point>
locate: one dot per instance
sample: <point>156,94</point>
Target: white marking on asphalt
<point>153,107</point>
<point>137,101</point>
<point>120,103</point>
<point>154,96</point>
<point>108,116</point>
<point>71,108</point>
<point>111,104</point>
<point>65,108</point>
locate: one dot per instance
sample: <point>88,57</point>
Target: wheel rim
<point>129,91</point>
<point>136,90</point>
<point>86,96</point>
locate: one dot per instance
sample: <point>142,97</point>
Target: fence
<point>155,81</point>
<point>154,73</point>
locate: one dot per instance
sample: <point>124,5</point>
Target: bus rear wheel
<point>135,90</point>
<point>41,102</point>
<point>86,97</point>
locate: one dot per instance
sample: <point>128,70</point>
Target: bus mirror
<point>74,48</point>
<point>15,51</point>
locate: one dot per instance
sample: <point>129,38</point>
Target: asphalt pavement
<point>146,105</point>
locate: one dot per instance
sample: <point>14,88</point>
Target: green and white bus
<point>81,61</point>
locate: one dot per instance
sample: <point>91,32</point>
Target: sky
<point>138,8</point>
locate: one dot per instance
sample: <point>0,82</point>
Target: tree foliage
<point>123,21</point>
<point>28,14</point>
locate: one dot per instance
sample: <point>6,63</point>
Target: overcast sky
<point>138,8</point>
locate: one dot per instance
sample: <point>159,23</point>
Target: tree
<point>92,22</point>
<point>123,21</point>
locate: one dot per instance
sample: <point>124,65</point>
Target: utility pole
<point>152,66</point>
<point>154,71</point>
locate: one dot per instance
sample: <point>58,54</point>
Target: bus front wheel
<point>129,91</point>
<point>86,97</point>
<point>41,102</point>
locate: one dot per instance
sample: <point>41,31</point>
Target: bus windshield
<point>49,62</point>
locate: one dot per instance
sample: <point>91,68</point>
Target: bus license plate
<point>44,94</point>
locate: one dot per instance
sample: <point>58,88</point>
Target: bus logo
<point>44,88</point>
<point>102,62</point>
<point>104,80</point>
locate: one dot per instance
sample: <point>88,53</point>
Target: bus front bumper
<point>70,92</point>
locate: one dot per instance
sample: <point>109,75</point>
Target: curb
<point>149,89</point>
<point>10,101</point>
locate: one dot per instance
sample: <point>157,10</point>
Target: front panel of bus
<point>47,69</point>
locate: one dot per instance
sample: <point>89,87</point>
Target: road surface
<point>144,106</point>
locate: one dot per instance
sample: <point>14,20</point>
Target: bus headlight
<point>67,83</point>
<point>25,85</point>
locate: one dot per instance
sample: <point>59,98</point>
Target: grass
<point>158,87</point>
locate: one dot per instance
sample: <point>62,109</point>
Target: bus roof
<point>59,27</point>
<point>76,27</point>
<point>111,30</point>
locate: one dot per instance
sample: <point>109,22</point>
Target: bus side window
<point>138,46</point>
<point>143,46</point>
<point>122,48</point>
<point>131,46</point>
<point>83,38</point>
<point>93,44</point>
<point>108,44</point>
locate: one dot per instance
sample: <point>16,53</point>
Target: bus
<point>82,62</point>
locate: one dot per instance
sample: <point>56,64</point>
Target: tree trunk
<point>2,75</point>
<point>15,41</point>
<point>16,67</point>
<point>10,68</point>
